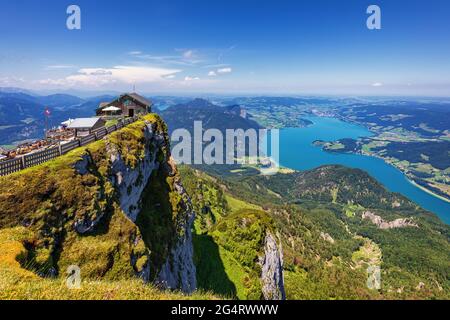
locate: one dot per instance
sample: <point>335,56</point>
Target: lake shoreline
<point>410,179</point>
<point>299,152</point>
<point>428,191</point>
<point>319,144</point>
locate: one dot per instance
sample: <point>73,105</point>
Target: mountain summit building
<point>127,105</point>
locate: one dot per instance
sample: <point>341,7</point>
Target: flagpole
<point>46,122</point>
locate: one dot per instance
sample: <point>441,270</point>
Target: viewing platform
<point>41,151</point>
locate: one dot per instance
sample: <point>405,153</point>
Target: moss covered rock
<point>90,208</point>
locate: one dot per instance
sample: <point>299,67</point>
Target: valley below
<point>410,135</point>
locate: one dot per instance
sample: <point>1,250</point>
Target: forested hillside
<point>325,221</point>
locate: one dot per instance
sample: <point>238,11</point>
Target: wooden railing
<point>66,147</point>
<point>39,157</point>
<point>10,166</point>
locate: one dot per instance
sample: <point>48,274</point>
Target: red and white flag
<point>47,112</point>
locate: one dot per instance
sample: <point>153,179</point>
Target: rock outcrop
<point>385,225</point>
<point>326,236</point>
<point>179,271</point>
<point>131,182</point>
<point>272,270</point>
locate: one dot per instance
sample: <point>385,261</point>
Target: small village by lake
<point>298,152</point>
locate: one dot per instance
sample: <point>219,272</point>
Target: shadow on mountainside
<point>211,274</point>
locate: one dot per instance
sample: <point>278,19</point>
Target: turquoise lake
<point>298,152</point>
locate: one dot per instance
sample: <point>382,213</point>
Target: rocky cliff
<point>272,270</point>
<point>179,271</point>
<point>248,247</point>
<point>116,209</point>
<point>237,248</point>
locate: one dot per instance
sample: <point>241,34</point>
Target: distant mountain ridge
<point>212,116</point>
<point>22,114</point>
<point>17,90</point>
<point>54,100</point>
<point>60,100</point>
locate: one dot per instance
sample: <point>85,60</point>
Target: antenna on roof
<point>134,88</point>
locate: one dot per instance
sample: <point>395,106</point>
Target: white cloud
<point>11,81</point>
<point>214,73</point>
<point>224,70</point>
<point>53,82</point>
<point>377,84</point>
<point>188,54</point>
<point>183,57</point>
<point>118,74</point>
<point>188,78</point>
<point>95,72</point>
<point>61,66</point>
<point>215,65</point>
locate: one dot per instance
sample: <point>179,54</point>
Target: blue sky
<point>215,46</point>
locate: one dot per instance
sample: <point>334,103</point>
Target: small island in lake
<point>341,146</point>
